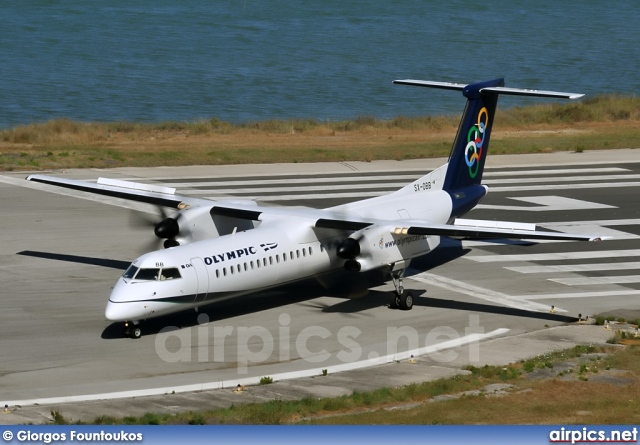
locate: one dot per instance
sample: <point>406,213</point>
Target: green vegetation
<point>603,122</point>
<point>557,397</point>
<point>266,380</point>
<point>58,419</point>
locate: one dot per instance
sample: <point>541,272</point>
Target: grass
<point>598,385</point>
<point>604,122</point>
<point>266,380</point>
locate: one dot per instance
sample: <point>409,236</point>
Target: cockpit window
<point>148,274</point>
<point>170,273</point>
<point>167,273</point>
<point>130,272</point>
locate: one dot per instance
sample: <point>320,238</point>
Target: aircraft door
<point>203,279</point>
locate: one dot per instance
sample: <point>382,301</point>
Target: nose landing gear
<point>132,329</point>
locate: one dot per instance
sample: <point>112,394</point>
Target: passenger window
<point>278,259</point>
<point>298,253</point>
<point>304,251</point>
<point>310,251</point>
<point>270,260</point>
<point>217,273</point>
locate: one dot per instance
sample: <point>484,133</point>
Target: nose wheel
<point>132,329</point>
<point>400,298</point>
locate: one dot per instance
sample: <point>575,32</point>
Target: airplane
<point>216,250</point>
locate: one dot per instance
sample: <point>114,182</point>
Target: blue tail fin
<point>470,148</point>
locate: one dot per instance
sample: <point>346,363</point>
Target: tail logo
<point>475,139</point>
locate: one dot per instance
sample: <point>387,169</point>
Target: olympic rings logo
<point>475,139</point>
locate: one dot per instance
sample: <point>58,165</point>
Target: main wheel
<point>406,301</point>
<point>394,302</point>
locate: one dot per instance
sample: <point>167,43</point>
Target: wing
<point>463,228</point>
<point>466,229</point>
<point>321,219</point>
<point>502,230</point>
<point>132,191</point>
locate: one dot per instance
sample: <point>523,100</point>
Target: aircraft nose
<point>115,311</point>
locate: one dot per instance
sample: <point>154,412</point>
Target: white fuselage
<point>280,250</point>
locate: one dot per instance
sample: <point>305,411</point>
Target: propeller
<point>349,249</point>
<point>164,226</point>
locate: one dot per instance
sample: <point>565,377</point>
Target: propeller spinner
<point>349,249</point>
<point>168,228</point>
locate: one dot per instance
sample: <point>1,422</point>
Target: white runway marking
<point>593,230</point>
<point>593,281</point>
<point>576,268</point>
<point>592,294</point>
<point>312,196</point>
<point>479,292</point>
<point>554,256</point>
<point>560,179</point>
<point>311,180</point>
<point>583,186</point>
<point>548,203</point>
<point>308,188</point>
<point>560,171</point>
<point>597,222</point>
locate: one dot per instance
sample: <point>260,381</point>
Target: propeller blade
<point>168,228</point>
<point>164,227</point>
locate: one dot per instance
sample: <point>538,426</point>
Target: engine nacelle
<point>377,246</point>
<point>197,224</point>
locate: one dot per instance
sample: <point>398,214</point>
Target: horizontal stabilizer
<point>526,92</point>
<point>432,84</point>
<point>489,90</point>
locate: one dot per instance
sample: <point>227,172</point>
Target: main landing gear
<point>400,298</point>
<point>132,329</point>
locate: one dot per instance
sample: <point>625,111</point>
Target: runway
<point>61,253</point>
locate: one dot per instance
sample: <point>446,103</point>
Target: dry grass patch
<point>601,123</point>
